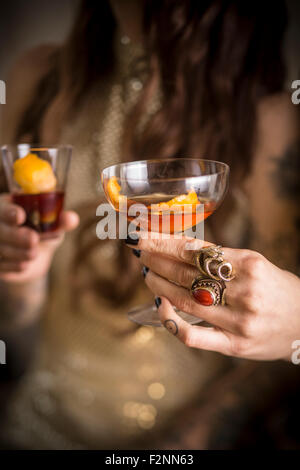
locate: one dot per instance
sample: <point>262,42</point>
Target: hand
<point>261,318</point>
<point>24,257</point>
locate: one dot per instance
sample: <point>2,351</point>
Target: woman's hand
<point>261,318</point>
<point>24,257</point>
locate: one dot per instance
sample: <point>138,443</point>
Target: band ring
<point>207,291</point>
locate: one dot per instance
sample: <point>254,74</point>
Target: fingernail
<point>136,253</point>
<point>132,240</point>
<point>157,301</point>
<point>145,271</point>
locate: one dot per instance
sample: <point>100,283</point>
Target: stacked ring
<point>210,262</point>
<point>209,288</point>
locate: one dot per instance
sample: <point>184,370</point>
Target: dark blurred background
<point>26,23</point>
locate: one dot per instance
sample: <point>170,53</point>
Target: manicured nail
<point>136,253</point>
<point>157,301</point>
<point>145,271</point>
<point>132,240</point>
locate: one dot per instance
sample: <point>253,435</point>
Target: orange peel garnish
<point>34,175</point>
<point>113,188</point>
<point>184,199</point>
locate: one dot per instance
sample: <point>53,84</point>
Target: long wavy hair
<point>214,60</point>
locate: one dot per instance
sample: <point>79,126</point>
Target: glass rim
<point>38,147</point>
<point>225,168</point>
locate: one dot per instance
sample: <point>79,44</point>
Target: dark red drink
<point>42,210</point>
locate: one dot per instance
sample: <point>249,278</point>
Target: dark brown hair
<point>214,60</point>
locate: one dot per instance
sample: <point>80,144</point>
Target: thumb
<point>69,220</point>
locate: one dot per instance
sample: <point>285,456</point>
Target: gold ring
<point>210,262</point>
<point>208,291</point>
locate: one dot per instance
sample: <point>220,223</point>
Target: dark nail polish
<point>132,240</point>
<point>157,301</point>
<point>136,253</point>
<point>145,271</point>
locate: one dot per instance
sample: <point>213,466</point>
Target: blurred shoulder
<point>278,122</point>
<point>22,82</point>
<point>33,62</point>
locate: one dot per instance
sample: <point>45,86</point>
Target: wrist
<point>21,302</point>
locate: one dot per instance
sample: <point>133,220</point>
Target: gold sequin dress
<point>93,384</point>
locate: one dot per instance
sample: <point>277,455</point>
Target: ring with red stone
<point>207,291</point>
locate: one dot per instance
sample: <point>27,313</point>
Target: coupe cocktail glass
<point>172,196</point>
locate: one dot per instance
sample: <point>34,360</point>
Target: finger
<point>11,213</point>
<point>184,274</point>
<point>22,237</point>
<point>222,317</point>
<point>11,267</point>
<point>169,268</point>
<point>68,221</point>
<point>11,253</point>
<point>181,249</point>
<point>199,337</point>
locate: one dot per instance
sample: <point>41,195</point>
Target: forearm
<point>274,200</point>
<point>282,249</point>
<point>21,303</point>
